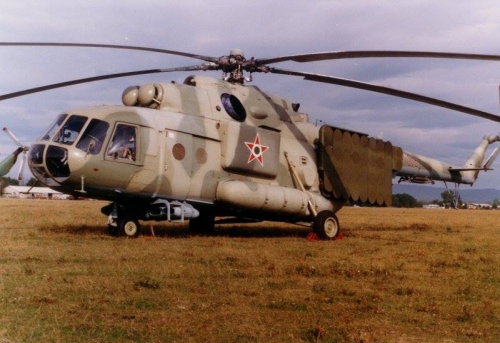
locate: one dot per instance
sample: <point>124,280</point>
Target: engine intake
<point>149,95</point>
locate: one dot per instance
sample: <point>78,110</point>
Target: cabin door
<point>178,162</point>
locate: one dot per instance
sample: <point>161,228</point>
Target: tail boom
<point>7,164</point>
<point>416,167</point>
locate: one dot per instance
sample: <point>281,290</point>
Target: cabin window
<point>123,144</point>
<point>93,137</point>
<point>68,133</point>
<point>233,107</point>
<point>54,127</point>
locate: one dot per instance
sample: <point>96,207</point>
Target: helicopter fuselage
<point>227,149</point>
<point>186,149</point>
<point>212,147</point>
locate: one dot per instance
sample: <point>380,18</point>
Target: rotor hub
<point>234,65</point>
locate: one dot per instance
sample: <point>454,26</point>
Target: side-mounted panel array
<point>355,167</point>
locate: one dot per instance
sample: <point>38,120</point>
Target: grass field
<point>398,275</point>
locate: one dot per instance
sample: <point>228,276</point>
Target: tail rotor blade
<point>492,158</point>
<point>14,138</point>
<point>20,176</point>
<point>7,164</point>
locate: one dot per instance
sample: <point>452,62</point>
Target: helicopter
<point>213,147</point>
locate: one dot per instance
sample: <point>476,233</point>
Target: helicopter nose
<point>49,162</point>
<point>56,160</point>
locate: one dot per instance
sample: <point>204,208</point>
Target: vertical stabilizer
<point>475,161</point>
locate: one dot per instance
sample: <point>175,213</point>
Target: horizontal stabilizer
<point>470,169</point>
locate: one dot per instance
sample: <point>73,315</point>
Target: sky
<point>267,29</point>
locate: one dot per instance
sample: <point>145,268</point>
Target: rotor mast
<point>232,67</point>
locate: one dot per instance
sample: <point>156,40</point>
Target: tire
<point>326,225</point>
<point>130,227</point>
<point>204,224</point>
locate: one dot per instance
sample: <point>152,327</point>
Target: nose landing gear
<point>122,220</point>
<point>123,217</point>
<point>130,227</point>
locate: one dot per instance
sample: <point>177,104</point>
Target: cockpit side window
<point>54,127</point>
<point>70,130</point>
<point>93,137</point>
<point>123,144</point>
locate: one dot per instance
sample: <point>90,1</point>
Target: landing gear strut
<point>326,225</point>
<point>123,217</point>
<point>128,227</point>
<point>120,224</point>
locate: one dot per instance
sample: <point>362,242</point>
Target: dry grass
<point>397,276</point>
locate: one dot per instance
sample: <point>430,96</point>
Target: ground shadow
<point>256,230</point>
<point>173,230</point>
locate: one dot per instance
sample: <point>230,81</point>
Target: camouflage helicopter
<point>211,148</point>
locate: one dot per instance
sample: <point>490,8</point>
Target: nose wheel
<point>129,227</point>
<point>326,225</point>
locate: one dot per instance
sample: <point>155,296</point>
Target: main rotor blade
<point>94,78</point>
<point>389,91</point>
<point>111,46</point>
<point>311,57</point>
<point>335,55</point>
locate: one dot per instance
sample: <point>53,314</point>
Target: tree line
<point>448,199</point>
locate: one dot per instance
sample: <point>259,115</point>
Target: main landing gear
<point>326,225</point>
<point>204,224</point>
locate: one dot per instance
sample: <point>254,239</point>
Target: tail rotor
<point>7,164</point>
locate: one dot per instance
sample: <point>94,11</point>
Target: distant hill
<point>428,193</point>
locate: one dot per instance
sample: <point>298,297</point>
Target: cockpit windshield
<point>68,133</point>
<point>53,128</point>
<point>93,137</point>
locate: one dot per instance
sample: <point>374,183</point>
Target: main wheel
<point>326,225</point>
<point>204,224</point>
<point>130,227</point>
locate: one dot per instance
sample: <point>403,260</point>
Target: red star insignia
<point>256,150</point>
